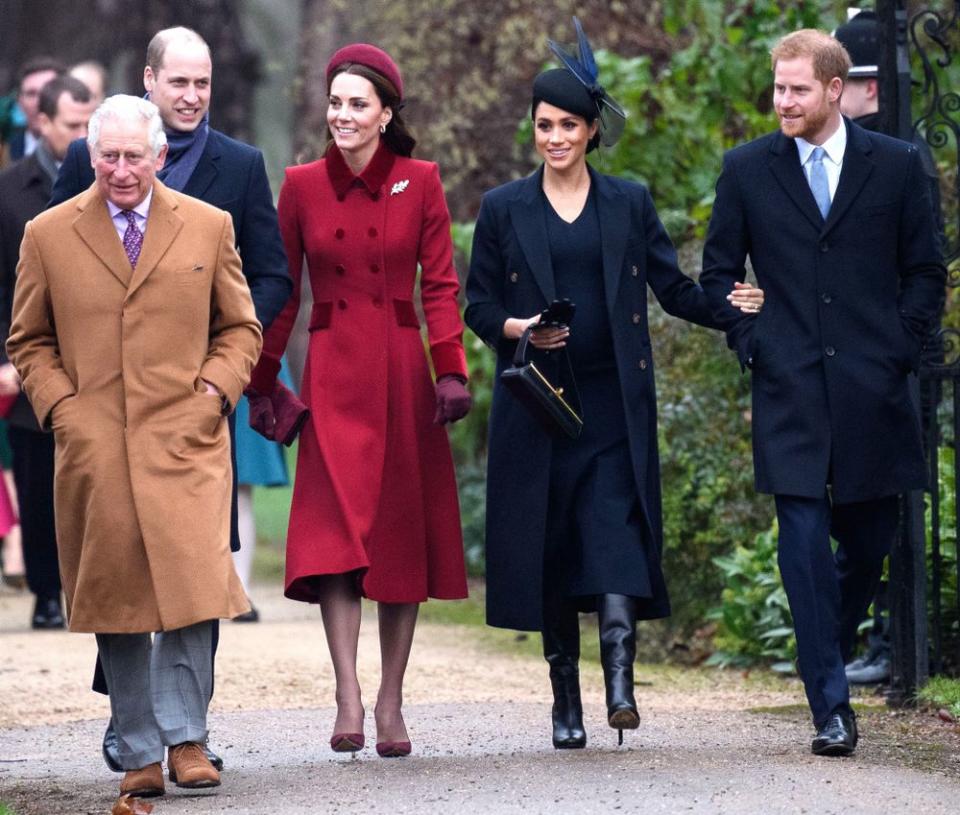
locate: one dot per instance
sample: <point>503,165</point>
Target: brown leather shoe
<point>146,782</point>
<point>188,766</point>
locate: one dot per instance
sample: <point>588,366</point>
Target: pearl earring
<point>383,128</point>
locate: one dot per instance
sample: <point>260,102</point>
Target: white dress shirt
<point>30,143</point>
<point>834,147</point>
<point>140,213</point>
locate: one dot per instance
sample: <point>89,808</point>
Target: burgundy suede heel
<point>393,749</point>
<point>346,742</point>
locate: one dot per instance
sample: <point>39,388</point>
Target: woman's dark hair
<point>396,136</point>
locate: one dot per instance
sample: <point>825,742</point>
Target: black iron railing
<point>925,618</point>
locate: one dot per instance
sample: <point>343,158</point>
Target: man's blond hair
<point>830,58</point>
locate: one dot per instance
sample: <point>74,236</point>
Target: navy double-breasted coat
<point>511,276</point>
<point>847,303</point>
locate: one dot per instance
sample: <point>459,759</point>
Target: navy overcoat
<point>511,276</point>
<point>847,303</point>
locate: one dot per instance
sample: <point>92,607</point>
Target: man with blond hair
<point>839,230</point>
<point>134,335</point>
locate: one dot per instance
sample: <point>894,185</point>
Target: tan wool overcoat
<point>112,359</point>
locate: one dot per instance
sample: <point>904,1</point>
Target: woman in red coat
<point>375,510</point>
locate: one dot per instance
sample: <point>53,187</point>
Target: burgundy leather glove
<point>453,399</point>
<point>278,416</point>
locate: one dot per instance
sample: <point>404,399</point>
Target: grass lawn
<point>941,692</point>
<point>271,507</point>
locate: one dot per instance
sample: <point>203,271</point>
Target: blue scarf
<point>184,149</point>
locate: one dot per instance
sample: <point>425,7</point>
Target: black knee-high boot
<point>618,649</point>
<point>561,649</point>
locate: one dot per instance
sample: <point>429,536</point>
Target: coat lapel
<point>163,225</point>
<point>207,169</point>
<point>527,217</point>
<point>857,167</point>
<point>785,166</point>
<point>97,231</point>
<point>613,210</point>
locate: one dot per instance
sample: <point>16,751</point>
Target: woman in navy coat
<point>574,524</point>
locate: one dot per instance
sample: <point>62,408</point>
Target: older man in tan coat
<point>134,334</point>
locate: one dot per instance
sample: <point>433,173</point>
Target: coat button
<point>339,234</point>
<point>341,304</point>
<point>374,267</point>
<point>377,302</point>
<point>830,351</point>
<point>634,271</point>
<point>514,277</point>
<point>636,319</point>
<point>826,297</point>
<point>339,269</point>
<point>341,197</point>
<point>824,246</point>
<point>643,365</point>
<point>372,232</point>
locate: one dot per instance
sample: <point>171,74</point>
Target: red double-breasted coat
<point>375,492</point>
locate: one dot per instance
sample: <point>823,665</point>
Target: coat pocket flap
<point>320,315</point>
<point>406,313</point>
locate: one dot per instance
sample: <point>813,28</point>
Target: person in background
<point>260,463</point>
<point>375,511</point>
<point>206,164</point>
<point>63,111</point>
<point>136,393</point>
<point>839,230</point>
<point>12,568</point>
<point>861,36</point>
<point>574,524</point>
<point>31,78</point>
<point>92,74</point>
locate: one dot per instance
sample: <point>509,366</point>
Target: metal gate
<point>924,567</point>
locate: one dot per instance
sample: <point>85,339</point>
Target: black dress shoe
<point>213,758</point>
<point>251,616</point>
<point>47,614</point>
<point>111,751</point>
<point>837,736</point>
<point>111,748</point>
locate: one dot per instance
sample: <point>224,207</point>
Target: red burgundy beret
<point>364,54</point>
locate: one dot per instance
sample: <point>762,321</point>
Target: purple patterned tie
<point>132,238</point>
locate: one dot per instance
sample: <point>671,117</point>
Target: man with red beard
<point>839,230</point>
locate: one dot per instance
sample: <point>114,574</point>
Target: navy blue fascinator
<point>582,65</point>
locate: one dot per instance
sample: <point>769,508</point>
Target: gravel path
<point>478,716</point>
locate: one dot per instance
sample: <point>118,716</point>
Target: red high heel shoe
<point>393,749</point>
<point>347,742</point>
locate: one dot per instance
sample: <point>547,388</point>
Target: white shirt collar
<point>142,209</point>
<point>834,147</point>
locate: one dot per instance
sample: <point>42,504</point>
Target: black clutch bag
<point>548,402</point>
